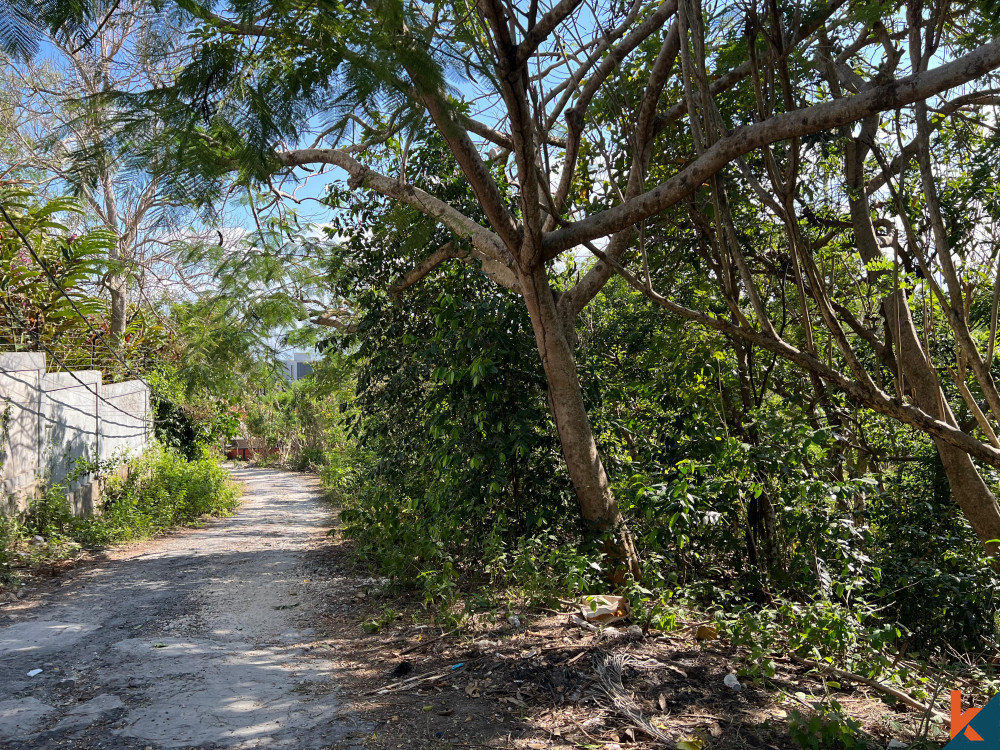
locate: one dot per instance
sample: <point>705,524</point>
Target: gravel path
<point>197,640</point>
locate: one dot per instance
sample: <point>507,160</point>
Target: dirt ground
<point>248,633</point>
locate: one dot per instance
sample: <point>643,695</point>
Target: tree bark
<point>967,486</point>
<point>119,309</point>
<point>583,461</point>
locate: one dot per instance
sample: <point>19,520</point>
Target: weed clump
<point>161,490</point>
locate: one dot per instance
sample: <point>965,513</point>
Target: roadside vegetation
<point>689,302</point>
<point>150,495</point>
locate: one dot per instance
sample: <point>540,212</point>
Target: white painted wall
<point>123,412</point>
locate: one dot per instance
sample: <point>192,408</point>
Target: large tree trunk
<point>921,380</point>
<point>586,470</point>
<point>119,309</point>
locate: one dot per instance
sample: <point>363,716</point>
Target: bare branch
<point>545,26</point>
<point>814,119</point>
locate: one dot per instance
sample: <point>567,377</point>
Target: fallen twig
<point>410,682</point>
<point>897,694</point>
<point>418,646</point>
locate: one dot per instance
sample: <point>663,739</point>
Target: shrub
<point>828,728</point>
<point>162,489</point>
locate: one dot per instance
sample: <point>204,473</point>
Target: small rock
<point>895,744</point>
<point>635,632</point>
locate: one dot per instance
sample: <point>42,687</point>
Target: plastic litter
<point>34,672</point>
<point>581,623</point>
<point>514,621</point>
<point>731,681</point>
<point>603,609</point>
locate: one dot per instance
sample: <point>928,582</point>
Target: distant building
<point>298,366</point>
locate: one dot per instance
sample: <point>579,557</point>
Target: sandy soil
<point>194,640</point>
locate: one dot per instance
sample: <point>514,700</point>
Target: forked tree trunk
<point>583,461</point>
<point>967,485</point>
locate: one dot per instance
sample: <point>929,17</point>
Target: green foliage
<point>828,728</point>
<point>935,577</point>
<point>456,453</point>
<point>306,421</point>
<point>190,423</point>
<point>49,513</point>
<point>50,294</point>
<point>34,311</point>
<point>457,470</point>
<point>160,490</point>
<point>375,624</point>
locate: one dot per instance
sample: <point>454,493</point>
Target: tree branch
<point>814,119</point>
<point>872,397</point>
<point>444,253</point>
<point>545,26</point>
<point>362,176</point>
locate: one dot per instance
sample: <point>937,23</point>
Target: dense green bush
<point>935,579</point>
<point>456,454</point>
<point>161,490</point>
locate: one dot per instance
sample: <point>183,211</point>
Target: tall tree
<point>59,120</point>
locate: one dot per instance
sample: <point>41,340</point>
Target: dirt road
<point>198,640</point>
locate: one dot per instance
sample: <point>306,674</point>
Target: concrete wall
<point>70,423</point>
<point>53,420</point>
<point>124,419</point>
<point>20,420</point>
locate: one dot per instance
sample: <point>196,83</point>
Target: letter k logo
<point>960,719</point>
